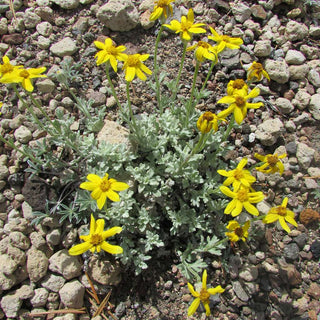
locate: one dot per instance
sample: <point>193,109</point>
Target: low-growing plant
<point>168,174</point>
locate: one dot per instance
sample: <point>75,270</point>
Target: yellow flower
<point>239,105</point>
<point>24,77</point>
<point>204,50</point>
<point>237,232</point>
<point>1,107</point>
<point>133,66</point>
<point>186,27</point>
<point>282,214</point>
<point>224,41</point>
<point>242,198</point>
<point>95,240</point>
<point>237,85</point>
<point>272,163</point>
<point>238,177</point>
<point>207,121</point>
<point>7,67</point>
<point>162,9</point>
<point>109,53</point>
<point>256,72</point>
<point>103,188</point>
<point>202,296</point>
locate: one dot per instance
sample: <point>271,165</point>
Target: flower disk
<point>133,66</point>
<point>272,163</point>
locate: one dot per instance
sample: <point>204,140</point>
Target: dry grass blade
<point>92,293</point>
<point>103,304</point>
<point>12,10</point>
<point>62,311</point>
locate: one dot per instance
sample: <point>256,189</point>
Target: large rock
<point>277,70</point>
<point>37,264</point>
<point>269,131</point>
<point>314,106</point>
<point>72,293</point>
<point>65,47</point>
<point>119,15</point>
<point>296,31</point>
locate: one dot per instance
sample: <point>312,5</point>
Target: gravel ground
<point>274,275</point>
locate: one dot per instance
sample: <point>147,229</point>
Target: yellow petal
<point>111,232</point>
<point>193,292</point>
<point>206,306</point>
<point>216,290</point>
<point>101,200</point>
<point>193,307</point>
<point>204,279</point>
<point>111,248</point>
<point>113,196</point>
<point>88,185</point>
<point>80,248</point>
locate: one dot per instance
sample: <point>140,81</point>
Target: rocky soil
<point>273,276</point>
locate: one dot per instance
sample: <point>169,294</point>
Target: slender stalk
<point>156,69</point>
<point>174,93</point>
<point>190,106</point>
<point>112,87</point>
<point>13,146</point>
<point>131,119</point>
<point>229,128</point>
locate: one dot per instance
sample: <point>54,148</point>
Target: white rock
<point>4,172</point>
<point>31,20</point>
<point>65,47</point>
<point>7,264</point>
<point>67,4</point>
<point>301,99</point>
<point>43,42</point>
<point>119,15</point>
<point>298,72</point>
<point>314,77</point>
<point>27,210</point>
<point>40,297</point>
<point>7,281</point>
<point>262,48</point>
<point>53,282</point>
<point>19,240</point>
<point>71,294</point>
<point>46,86</point>
<point>113,133</point>
<point>10,305</point>
<point>314,32</point>
<point>314,106</point>
<point>37,264</point>
<point>23,134</point>
<point>44,28</point>
<point>269,131</point>
<point>284,105</point>
<point>277,70</point>
<point>53,237</point>
<point>304,155</point>
<point>64,264</point>
<point>296,31</point>
<point>241,12</point>
<point>295,57</point>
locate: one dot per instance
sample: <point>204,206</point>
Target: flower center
<point>133,61</point>
<point>258,67</point>
<point>225,38</point>
<point>96,239</point>
<point>162,3</point>
<point>203,44</point>
<point>272,160</point>
<point>208,116</point>
<point>204,295</point>
<point>282,211</point>
<point>238,174</point>
<point>238,84</point>
<point>240,101</point>
<point>105,185</point>
<point>112,50</point>
<point>239,232</point>
<point>186,25</point>
<point>243,195</point>
<point>24,74</point>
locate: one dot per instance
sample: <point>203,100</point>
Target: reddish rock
<point>258,12</point>
<point>14,38</point>
<point>314,291</point>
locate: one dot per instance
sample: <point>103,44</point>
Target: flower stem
<point>131,119</point>
<point>156,69</point>
<point>174,93</point>
<point>112,87</point>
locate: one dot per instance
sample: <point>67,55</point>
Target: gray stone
<point>298,72</point>
<point>241,12</point>
<point>24,292</point>
<point>314,32</point>
<point>284,105</point>
<point>310,52</point>
<point>7,265</point>
<point>4,172</point>
<point>37,240</point>
<point>71,294</point>
<point>40,297</point>
<point>19,240</point>
<point>64,264</point>
<point>302,118</point>
<point>53,282</point>
<point>249,273</point>
<point>314,106</point>
<point>44,28</point>
<point>46,86</point>
<point>314,77</point>
<point>10,305</point>
<point>145,21</point>
<point>295,57</point>
<point>277,70</point>
<point>53,237</point>
<point>37,264</point>
<point>98,97</point>
<point>7,281</point>
<point>17,121</point>
<point>67,4</point>
<point>31,19</point>
<point>43,42</point>
<point>296,31</point>
<point>3,26</point>
<point>301,99</point>
<point>262,48</point>
<point>291,251</point>
<point>65,47</point>
<point>304,155</point>
<point>119,15</point>
<point>27,211</point>
<point>23,134</point>
<point>269,131</point>
<point>239,291</point>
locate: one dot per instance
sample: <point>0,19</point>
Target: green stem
<point>131,119</point>
<point>112,87</point>
<point>174,94</point>
<point>156,69</point>
<point>190,106</point>
<point>229,128</point>
<point>13,146</point>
